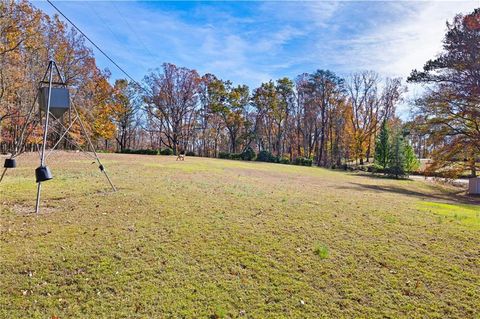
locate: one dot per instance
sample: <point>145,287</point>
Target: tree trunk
<point>473,167</point>
<point>369,149</point>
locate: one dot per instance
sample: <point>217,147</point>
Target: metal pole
<point>102,168</point>
<point>19,142</point>
<point>45,131</point>
<point>62,136</point>
<point>3,174</point>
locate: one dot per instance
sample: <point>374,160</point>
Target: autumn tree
<point>29,39</point>
<point>230,103</point>
<point>265,102</point>
<point>171,101</point>
<point>103,124</point>
<point>323,88</point>
<point>451,104</point>
<point>282,113</point>
<point>21,37</point>
<point>209,121</point>
<point>125,103</point>
<point>372,102</point>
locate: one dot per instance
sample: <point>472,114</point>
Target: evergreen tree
<point>396,166</point>
<point>382,148</point>
<point>411,161</point>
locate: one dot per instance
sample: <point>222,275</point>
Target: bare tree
<point>172,101</point>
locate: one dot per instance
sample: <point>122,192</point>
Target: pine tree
<point>411,161</point>
<point>396,166</point>
<point>382,147</point>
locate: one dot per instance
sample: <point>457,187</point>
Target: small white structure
<point>474,185</point>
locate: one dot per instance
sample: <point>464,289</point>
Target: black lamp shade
<point>43,174</point>
<point>10,163</point>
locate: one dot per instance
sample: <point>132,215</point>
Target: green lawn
<point>209,238</point>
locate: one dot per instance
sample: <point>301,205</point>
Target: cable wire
<point>97,47</point>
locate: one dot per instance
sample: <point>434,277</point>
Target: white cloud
<point>395,46</point>
<point>270,39</point>
<point>311,13</point>
<point>407,43</point>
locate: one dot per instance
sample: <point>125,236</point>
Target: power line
<point>92,9</point>
<point>97,47</point>
<point>132,30</point>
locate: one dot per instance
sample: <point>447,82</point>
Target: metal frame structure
<point>51,66</point>
<point>42,172</point>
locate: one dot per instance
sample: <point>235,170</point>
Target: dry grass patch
<point>218,238</point>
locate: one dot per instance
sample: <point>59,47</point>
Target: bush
<point>236,156</point>
<point>284,160</point>
<point>307,162</point>
<point>166,151</point>
<point>303,161</point>
<point>224,155</point>
<point>374,169</point>
<point>248,154</point>
<point>190,153</point>
<point>152,152</point>
<point>140,151</point>
<point>266,156</point>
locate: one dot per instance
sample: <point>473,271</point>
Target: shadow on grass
<point>380,176</point>
<point>448,197</point>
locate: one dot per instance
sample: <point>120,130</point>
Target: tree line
<point>321,116</point>
<point>318,115</point>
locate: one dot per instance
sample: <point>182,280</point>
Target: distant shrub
<point>284,160</point>
<point>303,161</point>
<point>236,156</point>
<point>266,156</point>
<point>374,169</point>
<point>248,154</point>
<point>224,155</point>
<point>166,151</point>
<point>151,152</point>
<point>140,151</point>
<point>190,153</point>
<point>321,251</point>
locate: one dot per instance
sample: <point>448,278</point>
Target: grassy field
<point>209,238</point>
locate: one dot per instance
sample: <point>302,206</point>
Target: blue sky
<point>249,42</point>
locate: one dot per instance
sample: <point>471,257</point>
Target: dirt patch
<point>23,209</point>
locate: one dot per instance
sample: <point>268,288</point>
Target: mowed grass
<point>209,238</point>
